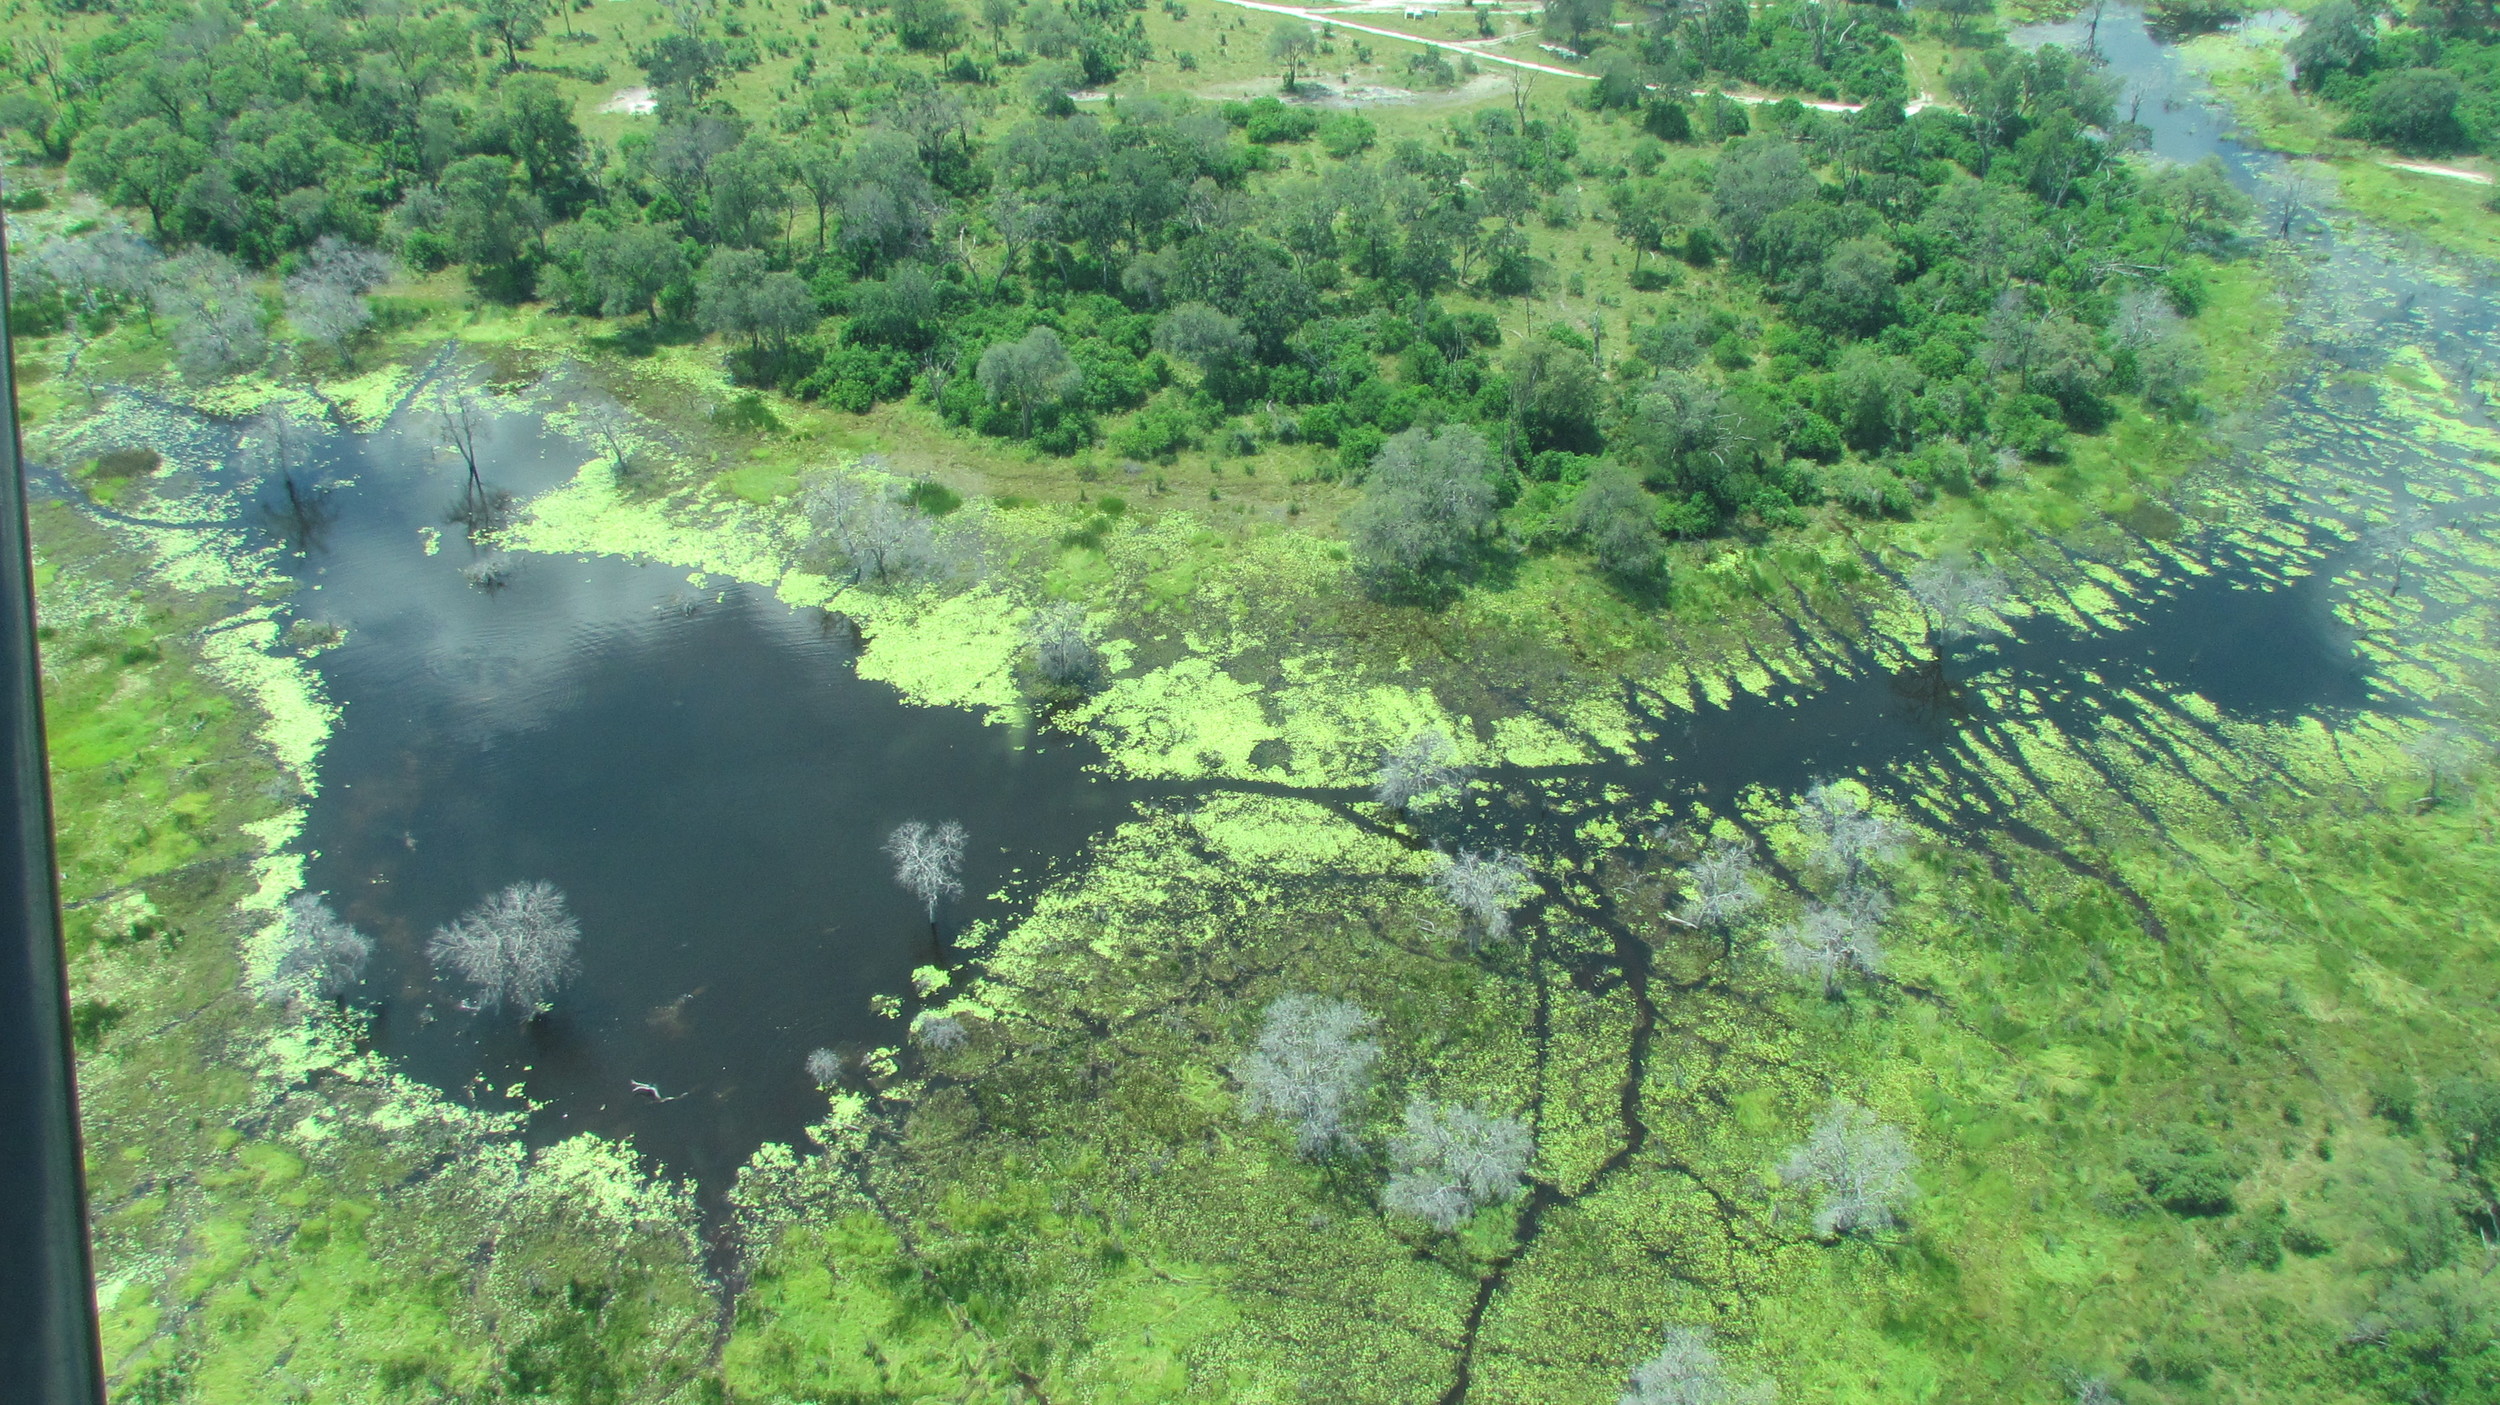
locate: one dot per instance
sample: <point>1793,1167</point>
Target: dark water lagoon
<point>699,768</point>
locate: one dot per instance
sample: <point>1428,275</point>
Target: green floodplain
<point>2157,1066</point>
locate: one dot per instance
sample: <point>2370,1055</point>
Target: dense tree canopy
<point>1904,299</point>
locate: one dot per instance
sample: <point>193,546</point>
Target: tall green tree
<point>1292,44</point>
<point>513,24</point>
<point>492,222</point>
<point>531,121</point>
<point>1428,500</point>
<point>1029,374</point>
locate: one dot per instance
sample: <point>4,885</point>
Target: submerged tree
<point>490,572</point>
<point>824,1067</point>
<point>1830,938</point>
<point>611,425</point>
<point>1310,1069</point>
<point>938,1033</point>
<point>1859,1168</point>
<point>325,296</point>
<point>1719,887</point>
<point>1687,1371</point>
<point>1852,840</point>
<point>1424,767</point>
<point>2301,189</point>
<point>459,413</point>
<point>1954,594</point>
<point>516,949</point>
<point>1062,646</point>
<point>217,316</point>
<point>318,954</point>
<point>874,537</point>
<point>928,861</point>
<point>2393,540</point>
<point>1452,1161</point>
<point>1484,887</point>
<point>270,448</point>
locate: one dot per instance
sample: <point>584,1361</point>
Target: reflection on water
<point>2185,121</point>
<point>695,765</point>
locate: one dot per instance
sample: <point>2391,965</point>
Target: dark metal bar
<point>49,1348</point>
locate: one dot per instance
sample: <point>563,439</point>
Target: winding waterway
<point>699,767</point>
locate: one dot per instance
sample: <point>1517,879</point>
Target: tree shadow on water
<point>302,515</point>
<point>482,509</point>
<point>1929,692</point>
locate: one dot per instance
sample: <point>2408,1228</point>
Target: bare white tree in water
<point>459,413</point>
<point>2446,754</point>
<point>1851,839</point>
<point>938,1033</point>
<point>1859,1167</point>
<point>1831,938</point>
<point>2301,189</point>
<point>876,539</point>
<point>1451,1161</point>
<point>217,316</point>
<point>325,296</point>
<point>1719,887</point>
<point>318,954</point>
<point>1956,594</point>
<point>1484,888</point>
<point>270,444</point>
<point>612,425</point>
<point>2393,540</point>
<point>1687,1371</point>
<point>1424,767</point>
<point>516,949</point>
<point>928,861</point>
<point>491,572</point>
<point>1310,1068</point>
<point>1062,645</point>
<point>271,447</point>
<point>824,1067</point>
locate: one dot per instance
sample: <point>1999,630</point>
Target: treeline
<point>1797,46</point>
<point>1856,307</point>
<point>2427,82</point>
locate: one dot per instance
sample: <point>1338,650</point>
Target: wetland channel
<point>699,768</point>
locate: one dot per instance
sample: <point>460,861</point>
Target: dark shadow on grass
<point>642,338</point>
<point>1494,568</point>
